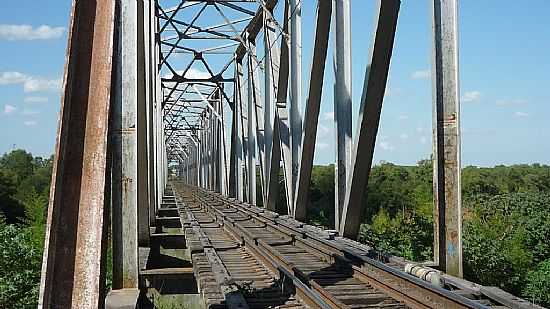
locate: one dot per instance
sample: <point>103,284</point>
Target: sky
<point>504,79</point>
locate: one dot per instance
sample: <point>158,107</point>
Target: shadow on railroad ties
<point>283,290</point>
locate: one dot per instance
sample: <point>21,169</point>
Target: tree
<point>505,236</point>
<point>11,209</point>
<point>18,164</point>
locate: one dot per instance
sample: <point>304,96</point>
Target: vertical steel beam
<point>222,143</point>
<point>71,269</point>
<point>295,17</point>
<point>251,153</point>
<point>374,88</point>
<point>187,169</point>
<point>206,151</point>
<point>272,132</point>
<point>164,156</point>
<point>206,165</point>
<point>150,78</point>
<point>125,203</point>
<point>282,66</point>
<point>342,102</point>
<point>201,158</point>
<point>278,67</point>
<point>142,155</point>
<point>446,129</point>
<point>320,47</point>
<point>258,116</point>
<point>158,125</point>
<point>233,146</point>
<point>211,145</point>
<point>237,122</point>
<point>215,141</point>
<point>244,134</point>
<point>269,118</point>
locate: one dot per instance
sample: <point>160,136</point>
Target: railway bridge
<point>186,145</point>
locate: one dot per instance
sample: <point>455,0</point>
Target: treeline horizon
<point>506,221</point>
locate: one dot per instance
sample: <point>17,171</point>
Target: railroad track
<point>244,256</point>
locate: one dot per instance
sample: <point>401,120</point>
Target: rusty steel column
<point>71,270</point>
<point>125,196</point>
<point>446,126</point>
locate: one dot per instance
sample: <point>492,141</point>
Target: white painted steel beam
<point>124,193</point>
<point>251,126</point>
<point>374,88</point>
<point>342,102</point>
<point>295,19</point>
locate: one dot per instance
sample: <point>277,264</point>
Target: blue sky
<point>504,79</point>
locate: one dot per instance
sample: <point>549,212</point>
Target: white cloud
<point>471,96</point>
<point>27,32</point>
<point>40,85</point>
<point>30,83</point>
<point>194,73</point>
<point>510,102</point>
<point>29,112</point>
<point>30,123</point>
<point>403,117</point>
<point>9,109</point>
<point>422,74</point>
<point>404,136</point>
<point>191,73</point>
<point>385,145</point>
<point>521,114</point>
<point>11,78</point>
<point>35,100</point>
<point>328,116</point>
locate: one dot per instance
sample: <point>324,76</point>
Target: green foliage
<point>321,200</point>
<point>398,216</point>
<point>24,189</point>
<point>10,208</point>
<point>35,213</point>
<point>504,237</point>
<point>506,223</point>
<point>24,185</point>
<point>538,284</point>
<point>408,235</point>
<point>20,265</point>
<point>19,164</point>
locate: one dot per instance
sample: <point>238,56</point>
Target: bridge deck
<point>244,256</point>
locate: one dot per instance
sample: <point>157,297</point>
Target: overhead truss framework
<point>259,82</point>
<point>211,91</point>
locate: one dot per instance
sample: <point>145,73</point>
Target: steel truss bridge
<point>178,119</point>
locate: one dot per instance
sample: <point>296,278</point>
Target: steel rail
<point>397,284</point>
<point>275,263</point>
<point>315,294</point>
